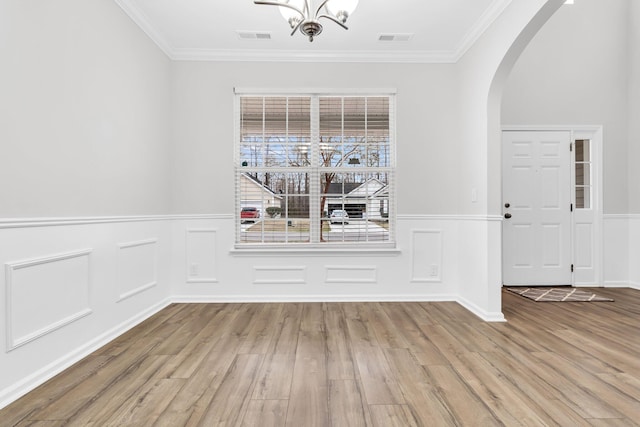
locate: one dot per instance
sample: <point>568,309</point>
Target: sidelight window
<point>583,174</point>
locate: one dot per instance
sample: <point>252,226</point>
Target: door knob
<point>507,215</point>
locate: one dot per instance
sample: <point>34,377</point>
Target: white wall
<point>84,112</point>
<point>202,101</point>
<point>574,72</point>
<point>633,51</point>
<point>430,212</point>
<point>481,78</point>
<point>634,141</point>
<point>84,132</point>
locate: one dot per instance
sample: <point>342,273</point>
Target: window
<point>583,174</point>
<point>317,168</point>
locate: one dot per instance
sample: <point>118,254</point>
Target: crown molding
<point>265,55</point>
<point>492,13</point>
<point>141,20</point>
<point>273,55</point>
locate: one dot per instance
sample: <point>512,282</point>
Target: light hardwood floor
<point>356,364</point>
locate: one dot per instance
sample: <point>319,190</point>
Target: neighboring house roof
<point>339,188</point>
<point>263,187</point>
<point>362,190</point>
<point>383,192</point>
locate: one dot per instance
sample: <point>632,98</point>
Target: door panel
<point>537,189</point>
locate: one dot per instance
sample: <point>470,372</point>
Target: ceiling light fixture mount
<point>298,14</point>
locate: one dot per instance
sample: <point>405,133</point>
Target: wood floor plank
<point>346,404</point>
<point>505,399</point>
<point>194,398</point>
<point>380,385</point>
<point>408,323</point>
<point>340,364</point>
<point>261,333</point>
<point>190,356</point>
<point>308,404</point>
<point>521,370</point>
<point>285,337</point>
<point>265,413</point>
<point>392,416</point>
<point>383,327</point>
<point>234,392</point>
<point>146,405</point>
<point>108,393</point>
<point>54,390</point>
<point>611,422</point>
<point>423,398</point>
<point>372,364</point>
<point>275,376</point>
<point>610,402</point>
<point>465,405</point>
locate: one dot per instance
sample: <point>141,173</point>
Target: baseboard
<point>310,298</point>
<point>14,392</point>
<point>484,315</point>
<point>634,285</point>
<point>620,284</point>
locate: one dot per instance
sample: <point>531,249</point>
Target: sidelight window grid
<point>583,174</point>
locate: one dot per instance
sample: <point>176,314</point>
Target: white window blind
<point>315,169</point>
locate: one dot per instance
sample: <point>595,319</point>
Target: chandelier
<point>298,14</point>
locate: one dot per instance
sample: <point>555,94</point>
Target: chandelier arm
<point>296,27</point>
<point>320,7</point>
<point>277,3</point>
<point>331,18</point>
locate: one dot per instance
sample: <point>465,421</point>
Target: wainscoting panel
<point>279,275</point>
<point>137,267</point>
<point>62,281</point>
<point>201,255</point>
<point>55,287</point>
<point>634,251</point>
<point>351,274</point>
<point>617,249</point>
<point>426,256</point>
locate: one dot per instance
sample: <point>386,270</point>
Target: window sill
<point>264,251</point>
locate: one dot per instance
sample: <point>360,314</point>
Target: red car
<point>249,214</point>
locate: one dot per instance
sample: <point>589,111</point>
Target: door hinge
<point>571,146</point>
<point>572,268</point>
<point>571,207</point>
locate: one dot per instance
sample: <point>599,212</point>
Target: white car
<point>340,216</point>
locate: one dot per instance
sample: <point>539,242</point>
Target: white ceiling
<point>442,30</point>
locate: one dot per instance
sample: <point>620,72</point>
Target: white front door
<point>536,197</point>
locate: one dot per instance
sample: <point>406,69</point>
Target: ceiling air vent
<point>253,35</point>
<point>395,37</point>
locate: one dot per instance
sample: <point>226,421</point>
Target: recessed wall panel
<point>201,256</point>
<point>277,275</point>
<point>44,294</point>
<point>137,267</point>
<point>351,274</point>
<point>426,259</point>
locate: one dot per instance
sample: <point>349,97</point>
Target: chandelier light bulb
<point>290,15</point>
<point>341,9</point>
<point>304,15</point>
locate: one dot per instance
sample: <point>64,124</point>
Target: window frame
<point>315,171</point>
